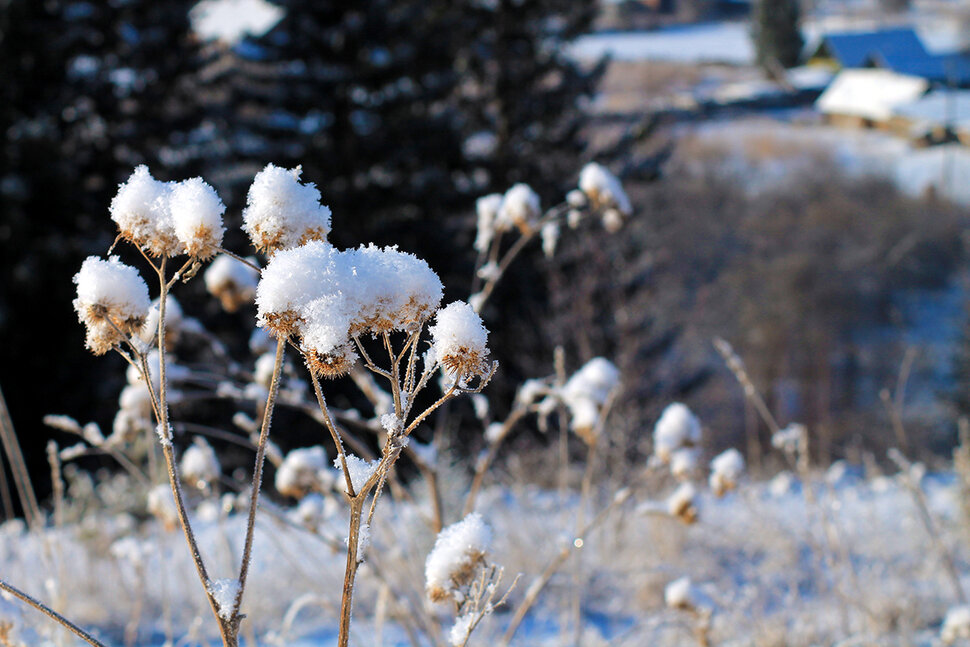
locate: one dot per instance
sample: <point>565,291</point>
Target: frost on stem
<point>112,301</point>
<point>586,393</point>
<point>282,212</point>
<point>303,471</point>
<point>458,551</point>
<point>200,466</point>
<point>677,428</point>
<point>726,470</point>
<point>197,217</point>
<point>459,341</point>
<point>232,282</point>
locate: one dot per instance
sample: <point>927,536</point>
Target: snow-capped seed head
<point>174,319</point>
<point>682,504</point>
<point>232,282</point>
<point>677,427</point>
<point>161,505</point>
<point>459,340</point>
<point>458,552</point>
<point>585,394</point>
<point>264,368</point>
<point>282,212</point>
<point>684,462</point>
<point>333,364</point>
<point>292,279</point>
<point>682,594</point>
<point>956,624</point>
<point>200,466</point>
<point>726,470</point>
<point>197,217</point>
<point>791,438</point>
<point>303,471</point>
<point>520,208</point>
<point>141,210</point>
<point>486,208</point>
<point>604,189</point>
<point>112,301</point>
<point>612,221</point>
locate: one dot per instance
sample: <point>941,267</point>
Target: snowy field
<point>851,565</point>
<point>728,42</point>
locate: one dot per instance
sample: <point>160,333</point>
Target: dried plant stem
<point>239,258</point>
<point>50,613</point>
<point>538,584</point>
<point>337,441</point>
<point>350,572</point>
<point>257,480</point>
<point>18,466</point>
<point>227,632</point>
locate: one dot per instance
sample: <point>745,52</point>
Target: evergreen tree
<point>778,41</point>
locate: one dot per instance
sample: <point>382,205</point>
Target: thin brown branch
<point>50,613</point>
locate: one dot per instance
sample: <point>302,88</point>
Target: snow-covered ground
<point>852,566</point>
<point>717,42</point>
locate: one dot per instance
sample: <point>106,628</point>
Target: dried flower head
<point>112,302</point>
<point>282,212</point>
<point>142,210</point>
<point>303,471</point>
<point>459,340</point>
<point>458,552</point>
<point>677,427</point>
<point>682,504</point>
<point>196,212</point>
<point>726,471</point>
<point>232,282</point>
<point>604,190</point>
<point>520,208</point>
<point>200,467</point>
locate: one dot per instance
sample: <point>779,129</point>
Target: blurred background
<point>798,170</point>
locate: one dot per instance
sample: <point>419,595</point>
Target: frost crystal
<point>197,217</point>
<point>459,339</point>
<point>676,428</point>
<point>224,592</point>
<point>391,424</point>
<point>112,299</point>
<point>458,551</point>
<point>302,471</point>
<point>282,212</point>
<point>360,471</point>
<point>230,281</point>
<point>604,189</point>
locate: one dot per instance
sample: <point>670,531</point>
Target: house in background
<point>938,117</point>
<point>867,97</point>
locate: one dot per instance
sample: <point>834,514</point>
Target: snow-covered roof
<point>232,20</point>
<point>870,93</point>
<point>938,108</point>
<point>853,49</point>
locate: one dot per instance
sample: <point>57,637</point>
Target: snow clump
<point>303,471</point>
<point>586,393</point>
<point>200,467</point>
<point>520,208</point>
<point>459,340</point>
<point>458,635</point>
<point>282,212</point>
<point>458,551</point>
<point>141,209</point>
<point>487,208</point>
<point>224,592</point>
<point>956,624</point>
<point>677,428</point>
<point>112,300</point>
<point>683,503</point>
<point>360,471</point>
<point>603,189</point>
<point>197,217</point>
<point>682,594</point>
<point>232,282</point>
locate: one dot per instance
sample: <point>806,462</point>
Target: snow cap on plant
<point>520,208</point>
<point>161,505</point>
<point>459,340</point>
<point>200,467</point>
<point>232,282</point>
<point>282,212</point>
<point>112,301</point>
<point>586,393</point>
<point>682,503</point>
<point>956,624</point>
<point>303,471</point>
<point>458,552</point>
<point>141,209</point>
<point>726,470</point>
<point>604,189</point>
<point>684,595</point>
<point>196,211</point>
<point>486,208</point>
<point>684,462</point>
<point>677,427</point>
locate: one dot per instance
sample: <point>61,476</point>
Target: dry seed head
<point>459,340</point>
<point>283,212</point>
<point>196,212</point>
<point>681,504</point>
<point>337,363</point>
<point>232,282</point>
<point>458,553</point>
<point>605,191</point>
<point>141,209</point>
<point>112,302</point>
